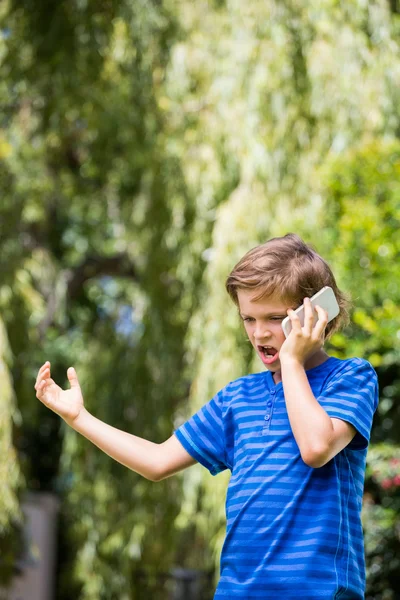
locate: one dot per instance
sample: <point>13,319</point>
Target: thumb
<point>73,378</point>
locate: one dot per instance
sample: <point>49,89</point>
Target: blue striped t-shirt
<point>292,531</point>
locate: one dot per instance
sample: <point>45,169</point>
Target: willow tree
<point>363,184</point>
<point>142,142</point>
<point>284,88</point>
<point>94,215</point>
<point>10,475</point>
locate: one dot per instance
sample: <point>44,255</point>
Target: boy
<point>294,436</point>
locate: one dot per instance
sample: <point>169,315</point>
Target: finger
<point>40,377</point>
<point>72,377</point>
<point>40,372</point>
<point>40,388</point>
<point>46,365</point>
<point>44,375</point>
<point>322,321</point>
<point>308,315</point>
<point>43,384</point>
<point>295,321</point>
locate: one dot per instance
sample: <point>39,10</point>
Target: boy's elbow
<point>159,468</point>
<point>156,476</point>
<point>152,476</point>
<point>315,458</point>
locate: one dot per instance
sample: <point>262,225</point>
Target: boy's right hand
<point>66,403</point>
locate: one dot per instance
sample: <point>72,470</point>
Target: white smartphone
<point>325,298</point>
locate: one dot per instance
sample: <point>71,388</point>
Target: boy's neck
<point>314,361</point>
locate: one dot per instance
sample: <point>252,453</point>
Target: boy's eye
<point>251,319</point>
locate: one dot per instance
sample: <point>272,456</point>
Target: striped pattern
<point>292,531</point>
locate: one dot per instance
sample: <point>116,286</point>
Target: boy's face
<point>263,323</point>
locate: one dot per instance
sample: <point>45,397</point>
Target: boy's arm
<point>153,461</point>
<point>318,436</point>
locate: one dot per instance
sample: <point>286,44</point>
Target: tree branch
<point>119,265</point>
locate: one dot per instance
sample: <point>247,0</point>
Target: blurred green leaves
<point>144,147</point>
<point>10,474</point>
<point>381,520</point>
<point>363,202</point>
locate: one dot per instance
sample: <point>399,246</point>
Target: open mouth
<point>269,354</point>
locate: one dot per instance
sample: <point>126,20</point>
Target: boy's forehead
<point>250,299</point>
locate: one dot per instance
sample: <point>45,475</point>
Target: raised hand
<point>68,404</point>
<point>305,340</point>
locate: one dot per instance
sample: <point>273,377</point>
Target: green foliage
<point>291,92</point>
<point>10,475</point>
<point>144,147</point>
<point>363,193</point>
<point>93,219</point>
<point>363,219</point>
<point>381,521</point>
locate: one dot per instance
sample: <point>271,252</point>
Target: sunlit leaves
<point>177,135</point>
<point>363,200</point>
<point>10,474</point>
<point>293,86</point>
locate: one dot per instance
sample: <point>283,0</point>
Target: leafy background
<point>144,147</point>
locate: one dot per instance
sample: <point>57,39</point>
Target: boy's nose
<point>261,333</point>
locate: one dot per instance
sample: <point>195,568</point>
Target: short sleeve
<point>203,436</point>
<point>352,395</point>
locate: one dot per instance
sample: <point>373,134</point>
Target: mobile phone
<point>325,298</point>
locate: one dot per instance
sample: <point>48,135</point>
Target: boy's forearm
<point>311,425</point>
<point>138,454</point>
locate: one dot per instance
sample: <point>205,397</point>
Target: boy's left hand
<point>304,341</point>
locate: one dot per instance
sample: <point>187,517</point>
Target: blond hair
<point>292,270</point>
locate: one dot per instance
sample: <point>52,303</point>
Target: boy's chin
<point>273,368</point>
